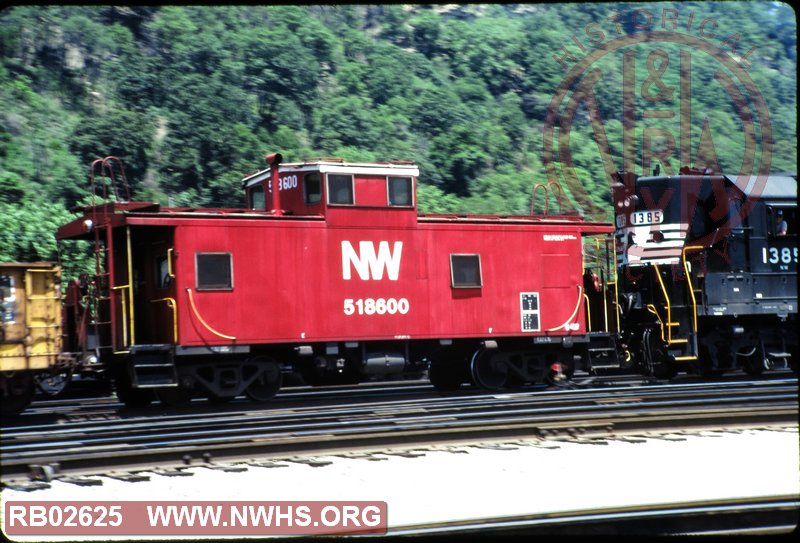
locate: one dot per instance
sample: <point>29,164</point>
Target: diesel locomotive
<point>707,269</point>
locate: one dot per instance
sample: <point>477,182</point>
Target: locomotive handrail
<point>203,322</point>
<point>689,282</point>
<point>574,313</point>
<point>173,305</point>
<point>652,309</point>
<point>669,306</point>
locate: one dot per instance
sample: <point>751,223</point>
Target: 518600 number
<point>372,306</point>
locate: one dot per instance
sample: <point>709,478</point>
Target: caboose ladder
<point>103,280</point>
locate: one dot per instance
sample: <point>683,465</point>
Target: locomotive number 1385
<point>655,216</point>
<point>774,255</point>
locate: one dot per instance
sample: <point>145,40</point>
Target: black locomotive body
<point>707,271</point>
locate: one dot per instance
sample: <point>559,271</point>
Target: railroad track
<point>78,404</point>
<point>172,438</point>
<point>82,404</point>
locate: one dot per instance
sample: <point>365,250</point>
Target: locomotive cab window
<point>214,271</point>
<point>312,188</point>
<point>399,189</point>
<point>465,271</point>
<point>257,198</point>
<point>782,221</point>
<point>340,189</point>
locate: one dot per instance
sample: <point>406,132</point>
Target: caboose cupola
<point>330,187</point>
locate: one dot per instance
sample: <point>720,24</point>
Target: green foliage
<point>192,97</point>
<point>27,234</point>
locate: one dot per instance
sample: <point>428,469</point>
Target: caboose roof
<point>335,166</point>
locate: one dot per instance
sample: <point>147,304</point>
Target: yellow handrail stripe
<point>577,306</point>
<point>204,323</point>
<point>124,322</point>
<point>588,312</point>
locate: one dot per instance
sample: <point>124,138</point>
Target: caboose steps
<point>152,366</point>
<point>602,352</point>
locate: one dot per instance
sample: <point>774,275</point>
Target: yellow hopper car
<point>30,329</point>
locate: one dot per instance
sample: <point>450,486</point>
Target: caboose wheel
<point>267,382</point>
<point>18,390</point>
<point>490,369</point>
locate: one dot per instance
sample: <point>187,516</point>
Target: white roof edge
<point>326,167</point>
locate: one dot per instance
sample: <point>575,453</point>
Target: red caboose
<point>330,271</point>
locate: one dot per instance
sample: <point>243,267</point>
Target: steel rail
<point>279,407</point>
<point>27,438</point>
<point>142,440</point>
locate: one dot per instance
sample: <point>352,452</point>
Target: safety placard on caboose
<point>529,307</point>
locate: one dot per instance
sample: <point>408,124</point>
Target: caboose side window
<point>214,271</point>
<point>465,271</point>
<point>312,188</point>
<point>399,189</point>
<point>257,197</point>
<point>340,189</point>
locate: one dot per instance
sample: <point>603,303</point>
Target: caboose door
<point>155,286</point>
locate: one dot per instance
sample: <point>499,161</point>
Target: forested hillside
<point>191,98</point>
